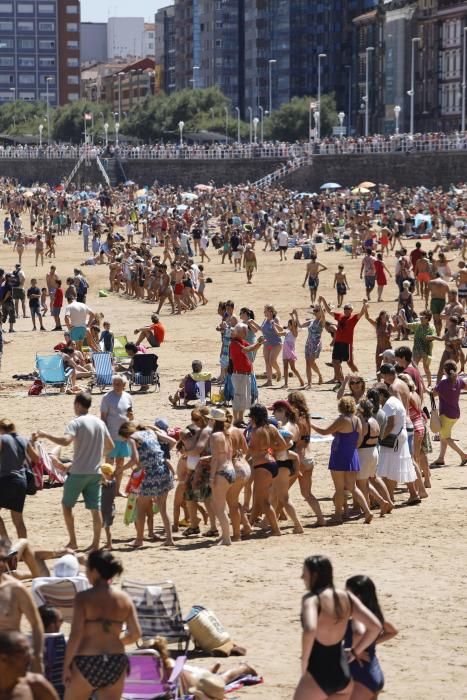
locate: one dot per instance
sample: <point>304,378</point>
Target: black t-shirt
<point>196,233</point>
<point>4,289</point>
<point>34,303</point>
<point>234,243</point>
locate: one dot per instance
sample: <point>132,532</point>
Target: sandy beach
<point>416,555</point>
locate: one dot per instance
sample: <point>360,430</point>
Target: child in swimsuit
<point>341,285</point>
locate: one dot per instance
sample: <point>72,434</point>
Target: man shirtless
<point>439,289</point>
<point>249,262</point>
<point>51,282</point>
<point>312,275</point>
<point>462,283</point>
<point>16,601</point>
<point>165,289</point>
<point>422,276</point>
<point>16,683</point>
<point>453,306</point>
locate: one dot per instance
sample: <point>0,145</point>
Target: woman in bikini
<point>384,328</point>
<point>222,474</point>
<point>326,612</point>
<point>243,474</point>
<point>265,440</point>
<point>95,661</point>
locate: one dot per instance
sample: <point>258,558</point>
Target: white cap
<point>67,566</point>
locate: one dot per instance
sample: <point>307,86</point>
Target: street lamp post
<point>349,116</point>
<point>415,40</point>
<point>261,112</point>
<point>464,76</point>
<point>341,117</point>
<point>226,124</point>
<point>255,128</point>
<point>180,127</point>
<point>320,56</point>
<point>106,132</point>
<point>117,129</point>
<point>397,111</point>
<point>250,112</point>
<point>367,89</point>
<point>271,62</point>
<point>195,68</point>
<point>13,90</point>
<point>47,81</point>
<point>239,138</point>
<point>41,129</point>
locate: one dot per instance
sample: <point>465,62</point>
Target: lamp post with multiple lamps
<point>368,50</point>
<point>320,57</point>
<point>271,62</point>
<point>411,93</point>
<point>239,138</point>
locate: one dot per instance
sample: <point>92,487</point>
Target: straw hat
<point>217,414</point>
<point>209,686</point>
<point>107,469</point>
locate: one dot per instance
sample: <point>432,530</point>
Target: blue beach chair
<point>52,371</point>
<point>102,362</point>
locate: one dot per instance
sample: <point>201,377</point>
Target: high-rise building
<point>164,49</point>
<point>40,50</point>
<point>93,42</point>
<point>125,37</point>
<point>185,19</point>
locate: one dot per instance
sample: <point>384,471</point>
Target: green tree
<point>291,121</point>
<point>68,121</point>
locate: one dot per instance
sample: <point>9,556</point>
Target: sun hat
<point>67,566</point>
<point>217,414</point>
<point>107,468</point>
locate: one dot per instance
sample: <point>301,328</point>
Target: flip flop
<point>211,533</point>
<point>191,531</point>
<point>414,502</point>
<point>441,464</point>
<point>464,462</point>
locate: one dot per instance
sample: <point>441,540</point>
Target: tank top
<point>269,333</point>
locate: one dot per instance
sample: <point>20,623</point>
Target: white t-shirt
<point>283,239</point>
<point>114,410</point>
<point>395,407</point>
<point>78,313</point>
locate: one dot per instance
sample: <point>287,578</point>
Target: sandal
<point>438,464</point>
<point>211,533</point>
<point>191,531</point>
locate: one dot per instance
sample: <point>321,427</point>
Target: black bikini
<point>328,664</point>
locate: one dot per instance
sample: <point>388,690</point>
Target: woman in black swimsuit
<point>325,614</point>
<point>95,660</point>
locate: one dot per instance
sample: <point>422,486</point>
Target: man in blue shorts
<point>78,317</point>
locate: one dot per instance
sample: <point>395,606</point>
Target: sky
<point>100,10</point>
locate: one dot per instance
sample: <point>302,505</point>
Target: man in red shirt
<point>154,334</point>
<point>343,339</point>
<point>57,305</point>
<point>415,255</point>
<point>241,368</point>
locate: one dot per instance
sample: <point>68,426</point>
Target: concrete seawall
<point>396,170</point>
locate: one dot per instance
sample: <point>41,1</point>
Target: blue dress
<point>158,479</point>
<point>344,454</point>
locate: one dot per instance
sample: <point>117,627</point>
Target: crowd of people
<point>232,468</point>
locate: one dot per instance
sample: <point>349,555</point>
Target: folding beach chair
<point>146,680</point>
<point>54,660</point>
<point>52,371</point>
<point>60,595</point>
<point>144,371</point>
<point>159,612</point>
<point>102,362</point>
<point>119,351</point>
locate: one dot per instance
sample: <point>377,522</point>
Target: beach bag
<point>391,441</point>
<point>435,422</point>
<point>207,631</point>
<point>31,488</point>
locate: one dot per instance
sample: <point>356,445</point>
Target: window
<point>72,9</point>
<point>25,8</point>
<point>26,79</point>
<point>6,8</point>
<point>6,79</point>
<point>46,44</point>
<point>26,62</point>
<point>73,80</point>
<point>6,61</point>
<point>44,79</point>
<point>46,8</point>
<point>28,96</point>
<point>27,43</point>
<point>72,26</point>
<point>47,61</point>
<point>72,44</point>
<point>46,26</point>
<point>25,26</point>
<point>73,96</point>
<point>6,44</point>
<point>72,62</point>
<point>52,96</point>
<point>6,26</point>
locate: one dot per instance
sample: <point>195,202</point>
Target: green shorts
<point>89,485</point>
<point>436,306</point>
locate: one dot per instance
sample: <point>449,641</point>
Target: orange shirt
<point>159,332</point>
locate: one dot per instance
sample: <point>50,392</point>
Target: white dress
<point>396,465</point>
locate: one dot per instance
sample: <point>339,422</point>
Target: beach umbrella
<point>367,185</point>
<point>330,186</point>
<point>141,193</point>
<point>182,207</point>
<point>129,183</point>
<point>360,190</point>
<point>190,196</point>
<point>28,194</point>
<point>204,188</point>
